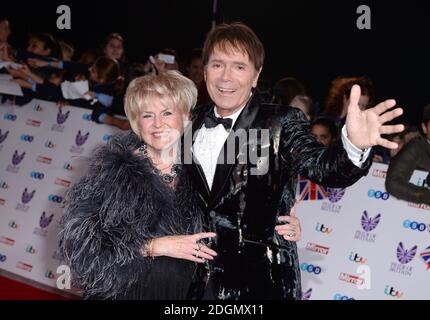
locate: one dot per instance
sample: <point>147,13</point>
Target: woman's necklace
<point>167,178</point>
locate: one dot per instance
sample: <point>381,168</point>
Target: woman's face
<point>322,133</point>
<point>161,124</point>
<point>114,49</point>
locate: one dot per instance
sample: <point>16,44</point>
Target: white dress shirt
<point>209,142</point>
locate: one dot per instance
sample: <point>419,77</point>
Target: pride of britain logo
<point>26,197</point>
<point>404,257</point>
<point>16,160</point>
<point>368,224</point>
<point>44,222</point>
<point>334,195</point>
<point>80,140</point>
<point>61,119</point>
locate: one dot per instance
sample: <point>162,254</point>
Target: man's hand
<point>364,128</point>
<point>292,231</point>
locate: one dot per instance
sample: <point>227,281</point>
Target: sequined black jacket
<point>253,261</point>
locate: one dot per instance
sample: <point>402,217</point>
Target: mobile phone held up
<point>166,58</point>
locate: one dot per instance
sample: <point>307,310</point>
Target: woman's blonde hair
<point>169,84</point>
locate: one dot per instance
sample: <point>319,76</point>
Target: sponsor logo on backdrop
<point>426,257</point>
<point>379,173</point>
<point>24,266</point>
<point>317,248</point>
<point>50,275</point>
<point>37,108</point>
<point>354,257</point>
<point>9,117</point>
<point>3,258</point>
<point>309,190</point>
<point>25,199</point>
<point>62,182</point>
<point>414,225</point>
<point>16,160</point>
<point>419,206</point>
<point>351,279</point>
<point>334,195</point>
<point>320,227</point>
<point>67,166</point>
<point>339,296</point>
<point>3,137</point>
<point>13,225</point>
<point>368,224</point>
<point>80,140</point>
<point>43,159</point>
<point>310,268</point>
<point>37,175</point>
<point>33,123</point>
<point>30,249</point>
<point>55,198</point>
<point>3,185</point>
<point>61,119</point>
<point>307,295</point>
<point>376,194</point>
<point>404,257</point>
<point>50,145</point>
<point>390,291</point>
<point>44,223</point>
<point>27,137</point>
<point>7,241</point>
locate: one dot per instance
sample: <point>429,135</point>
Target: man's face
<point>426,129</point>
<point>38,47</point>
<point>4,31</point>
<point>230,77</point>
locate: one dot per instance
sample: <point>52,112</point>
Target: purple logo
<point>405,256</point>
<point>368,223</point>
<point>335,194</point>
<point>26,197</point>
<point>81,139</point>
<point>61,118</point>
<point>3,136</point>
<point>16,159</point>
<point>307,295</point>
<point>45,221</point>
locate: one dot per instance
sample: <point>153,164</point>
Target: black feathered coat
<point>110,214</point>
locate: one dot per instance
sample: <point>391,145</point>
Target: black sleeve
<point>328,166</point>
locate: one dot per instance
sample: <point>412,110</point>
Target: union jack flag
<point>426,257</point>
<point>309,190</point>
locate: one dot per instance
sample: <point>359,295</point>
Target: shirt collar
<point>233,116</point>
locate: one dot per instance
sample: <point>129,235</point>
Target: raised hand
<point>364,127</point>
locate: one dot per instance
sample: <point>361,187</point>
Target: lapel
<point>241,126</point>
<point>198,176</point>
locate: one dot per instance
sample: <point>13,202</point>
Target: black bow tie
<point>211,121</point>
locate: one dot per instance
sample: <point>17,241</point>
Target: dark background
<point>314,41</point>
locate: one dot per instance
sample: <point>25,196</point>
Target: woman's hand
<point>292,231</point>
<point>186,247</point>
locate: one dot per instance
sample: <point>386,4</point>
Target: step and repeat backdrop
<point>358,243</point>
